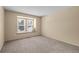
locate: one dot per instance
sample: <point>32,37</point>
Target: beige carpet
<point>38,44</point>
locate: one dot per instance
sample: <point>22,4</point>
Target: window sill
<point>24,32</point>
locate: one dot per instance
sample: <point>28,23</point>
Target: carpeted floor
<point>38,44</point>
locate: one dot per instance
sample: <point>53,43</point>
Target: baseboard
<point>20,38</point>
<point>61,41</point>
<point>2,46</point>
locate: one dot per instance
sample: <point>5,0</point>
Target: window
<point>25,24</point>
<point>30,25</point>
<point>21,24</point>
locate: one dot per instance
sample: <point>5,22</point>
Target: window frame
<point>21,17</point>
<point>25,27</point>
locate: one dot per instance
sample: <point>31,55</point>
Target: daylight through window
<point>25,24</point>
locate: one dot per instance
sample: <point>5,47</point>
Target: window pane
<point>21,28</point>
<point>20,25</point>
<point>21,22</point>
<point>30,25</point>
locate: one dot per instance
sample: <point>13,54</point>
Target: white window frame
<point>25,22</point>
<point>18,18</point>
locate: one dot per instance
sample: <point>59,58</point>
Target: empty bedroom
<point>39,29</point>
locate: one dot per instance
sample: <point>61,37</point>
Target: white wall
<point>62,25</point>
<point>11,26</point>
<point>1,27</point>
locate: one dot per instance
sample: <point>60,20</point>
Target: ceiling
<point>35,10</point>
